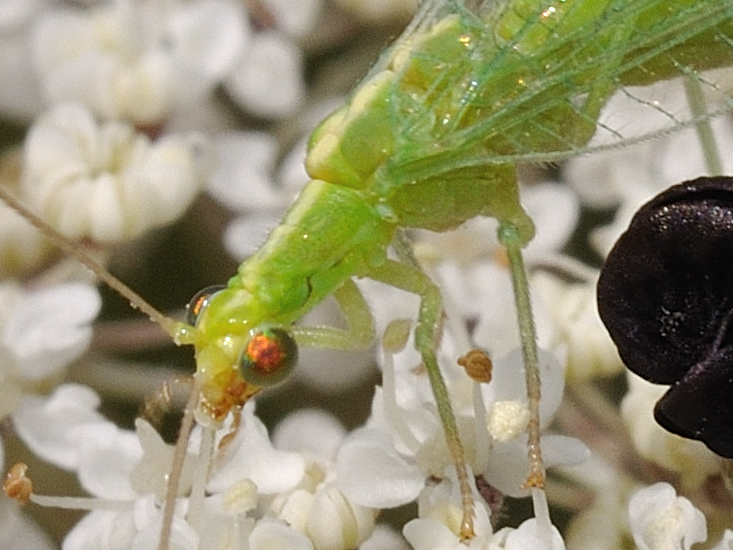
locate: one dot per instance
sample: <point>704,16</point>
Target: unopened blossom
<point>660,520</point>
<point>317,506</point>
<point>105,181</point>
<point>22,247</point>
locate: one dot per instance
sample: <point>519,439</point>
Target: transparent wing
<point>489,82</point>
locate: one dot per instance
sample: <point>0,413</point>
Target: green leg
<point>359,322</point>
<point>509,237</point>
<point>427,335</point>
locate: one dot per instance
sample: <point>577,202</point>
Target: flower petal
<point>371,473</point>
<point>51,327</point>
<point>660,520</point>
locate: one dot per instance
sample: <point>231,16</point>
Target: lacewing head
<point>665,295</point>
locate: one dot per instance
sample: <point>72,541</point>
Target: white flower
<point>526,537</point>
<point>687,457</point>
<point>607,178</point>
<point>136,60</point>
<point>245,179</point>
<point>267,77</point>
<point>18,531</point>
<point>63,427</point>
<point>553,207</point>
<point>439,512</point>
<point>250,455</point>
<point>474,276</point>
<point>41,332</point>
<point>507,419</point>
<point>316,506</point>
<point>22,247</point>
<point>660,520</point>
<point>577,326</point>
<point>104,181</point>
<point>242,179</point>
<point>506,465</point>
<point>602,525</point>
<point>20,97</point>
<point>386,463</point>
<point>127,475</point>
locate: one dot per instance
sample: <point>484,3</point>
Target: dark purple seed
<point>665,295</point>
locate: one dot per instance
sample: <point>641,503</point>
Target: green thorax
<point>330,233</point>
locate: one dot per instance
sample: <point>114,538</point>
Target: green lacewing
<point>429,139</point>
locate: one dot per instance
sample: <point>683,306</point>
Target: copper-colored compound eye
<point>665,295</point>
<point>269,356</point>
<point>199,302</point>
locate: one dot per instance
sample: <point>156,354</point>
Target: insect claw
<point>535,480</point>
<point>467,533</point>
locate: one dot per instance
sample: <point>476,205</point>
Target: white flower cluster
<point>122,122</point>
<point>256,495</point>
<point>128,105</point>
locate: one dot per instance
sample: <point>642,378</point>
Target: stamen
<point>201,473</point>
<point>83,503</point>
<point>19,486</point>
<point>480,428</point>
<point>391,408</point>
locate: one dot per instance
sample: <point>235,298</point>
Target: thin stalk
<point>696,101</point>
